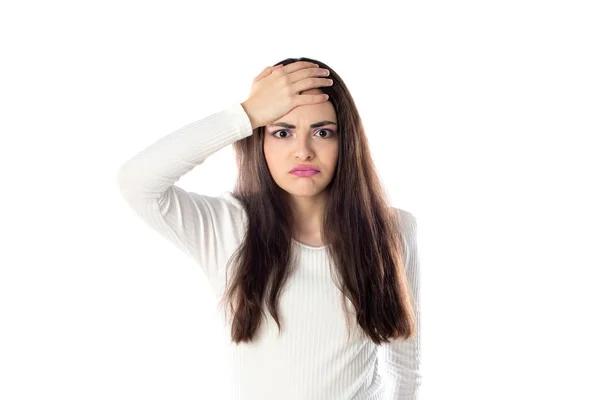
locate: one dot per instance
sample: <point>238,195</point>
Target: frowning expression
<point>307,135</point>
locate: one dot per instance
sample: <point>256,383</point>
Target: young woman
<point>307,235</point>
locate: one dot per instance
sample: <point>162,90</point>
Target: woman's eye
<point>326,130</point>
<point>276,132</point>
<point>318,133</point>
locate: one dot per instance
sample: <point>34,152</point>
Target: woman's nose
<point>303,145</point>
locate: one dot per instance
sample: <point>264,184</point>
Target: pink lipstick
<point>305,173</point>
<point>305,170</point>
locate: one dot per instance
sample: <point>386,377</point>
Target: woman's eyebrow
<point>315,125</point>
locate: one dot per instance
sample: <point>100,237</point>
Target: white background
<point>482,118</point>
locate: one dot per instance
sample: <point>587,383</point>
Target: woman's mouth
<point>305,173</point>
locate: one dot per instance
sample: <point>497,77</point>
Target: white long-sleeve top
<point>315,357</point>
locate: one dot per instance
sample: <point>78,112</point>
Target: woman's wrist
<point>255,124</point>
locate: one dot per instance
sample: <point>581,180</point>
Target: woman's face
<point>285,147</point>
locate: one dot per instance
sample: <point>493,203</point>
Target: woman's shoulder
<point>235,206</point>
<point>232,200</point>
<point>405,217</point>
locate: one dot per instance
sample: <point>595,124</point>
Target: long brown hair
<point>363,233</point>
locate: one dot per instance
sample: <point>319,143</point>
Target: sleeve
<point>400,359</point>
<point>201,226</point>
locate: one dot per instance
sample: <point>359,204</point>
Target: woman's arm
<point>197,224</point>
<point>400,359</point>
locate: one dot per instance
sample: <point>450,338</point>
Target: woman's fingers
<point>265,72</point>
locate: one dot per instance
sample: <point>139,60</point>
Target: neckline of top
<point>228,194</point>
<point>309,247</point>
